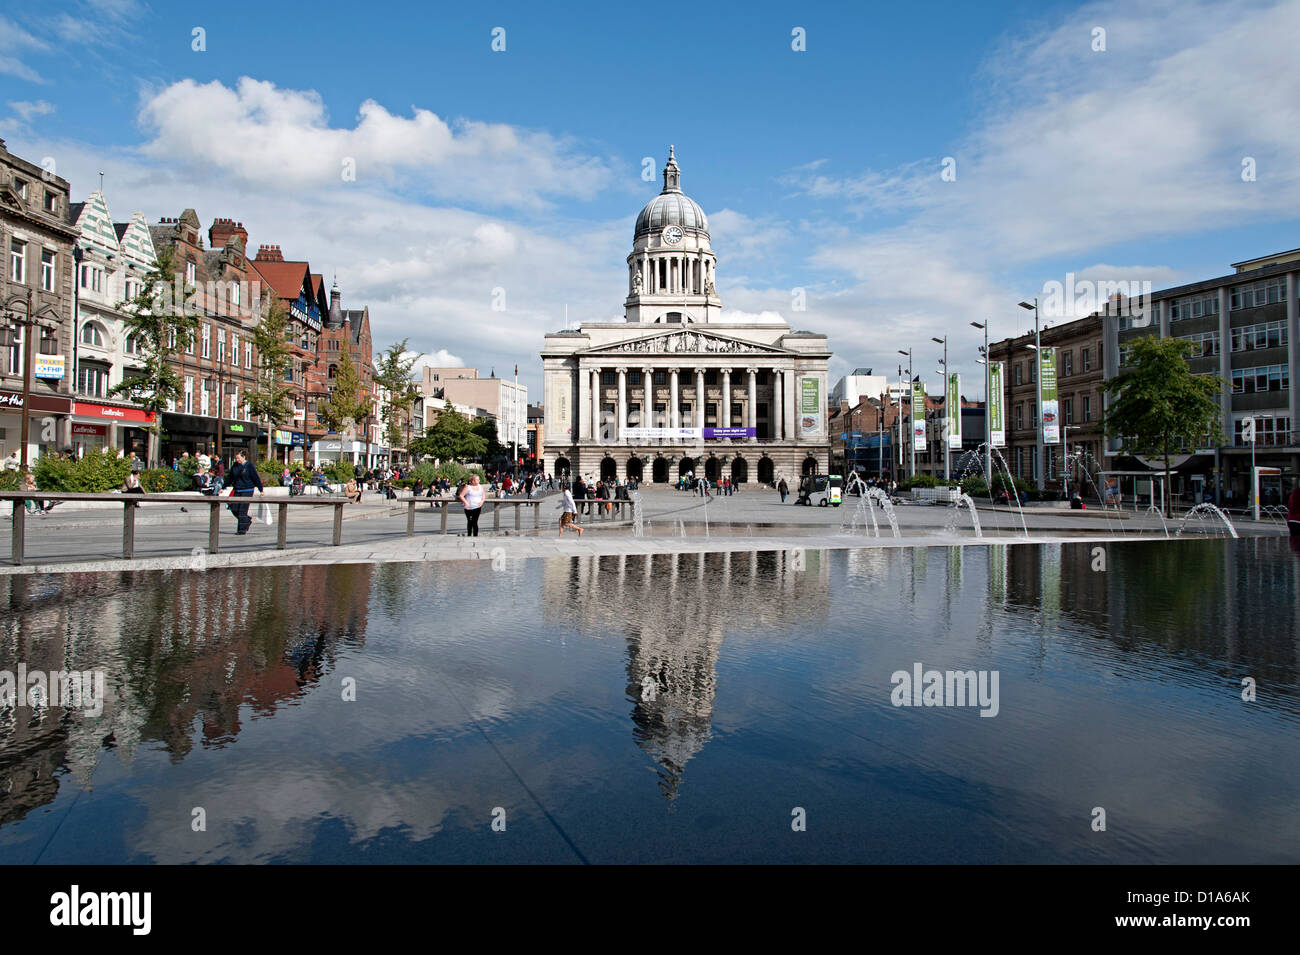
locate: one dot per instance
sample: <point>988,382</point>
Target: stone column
<point>752,415</point>
<point>647,399</point>
<point>622,407</point>
<point>724,418</point>
<point>594,407</point>
<point>673,416</point>
<point>791,406</point>
<point>584,402</point>
<point>699,398</point>
<point>774,413</point>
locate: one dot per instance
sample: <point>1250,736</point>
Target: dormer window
<point>51,201</point>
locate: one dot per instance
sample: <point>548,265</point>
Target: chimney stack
<point>269,253</point>
<point>221,231</point>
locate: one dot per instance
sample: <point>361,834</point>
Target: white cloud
<point>14,42</point>
<point>262,135</point>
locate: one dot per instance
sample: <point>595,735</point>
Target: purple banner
<point>730,432</point>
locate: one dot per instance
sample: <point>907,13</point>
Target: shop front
<point>121,428</point>
<point>46,415</point>
<point>196,434</point>
<point>286,445</point>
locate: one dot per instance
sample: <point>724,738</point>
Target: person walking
<point>568,510</point>
<point>471,496</point>
<point>244,479</point>
<point>783,489</point>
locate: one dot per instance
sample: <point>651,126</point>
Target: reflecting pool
<point>677,707</point>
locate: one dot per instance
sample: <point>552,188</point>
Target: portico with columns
<point>674,362</point>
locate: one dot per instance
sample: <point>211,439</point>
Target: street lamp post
<point>911,438</point>
<point>988,431</point>
<point>28,323</point>
<point>947,412</point>
<point>1039,469</point>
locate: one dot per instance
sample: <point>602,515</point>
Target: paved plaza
<point>167,537</point>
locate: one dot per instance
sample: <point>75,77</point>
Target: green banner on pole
<point>918,415</point>
<point>997,425</point>
<point>953,408</point>
<point>1050,412</point>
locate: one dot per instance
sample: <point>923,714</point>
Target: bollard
<point>443,507</point>
<point>496,516</point>
<point>517,517</point>
<point>410,519</point>
<point>20,515</point>
<point>214,526</point>
<point>128,530</point>
<point>338,524</point>
<point>282,530</point>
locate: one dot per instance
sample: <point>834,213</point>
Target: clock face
<point>673,234</point>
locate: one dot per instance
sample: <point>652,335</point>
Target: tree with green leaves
<point>393,374</point>
<point>162,329</point>
<point>450,438</point>
<point>1157,404</point>
<point>270,398</point>
<point>349,404</point>
<point>486,428</point>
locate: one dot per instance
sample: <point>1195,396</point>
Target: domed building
<point>675,389</point>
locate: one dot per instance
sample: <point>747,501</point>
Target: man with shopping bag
<point>243,479</point>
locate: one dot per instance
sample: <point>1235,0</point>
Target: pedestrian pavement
<point>672,522</point>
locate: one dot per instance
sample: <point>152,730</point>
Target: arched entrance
<point>765,470</point>
<point>686,467</point>
<point>634,469</point>
<point>561,467</point>
<point>712,468</point>
<point>809,465</point>
<point>608,469</point>
<point>660,470</point>
<point>739,471</point>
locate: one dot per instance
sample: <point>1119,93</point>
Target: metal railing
<point>130,503</point>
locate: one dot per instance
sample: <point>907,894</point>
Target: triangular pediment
<point>685,341</point>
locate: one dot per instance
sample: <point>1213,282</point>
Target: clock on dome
<point>673,234</point>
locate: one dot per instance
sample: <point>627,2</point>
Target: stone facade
<point>674,364</point>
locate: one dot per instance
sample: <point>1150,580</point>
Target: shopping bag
<point>264,513</point>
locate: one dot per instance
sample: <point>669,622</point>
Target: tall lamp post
<point>218,378</point>
<point>947,455</point>
<point>911,415</point>
<point>988,431</point>
<point>1039,469</point>
<point>8,337</point>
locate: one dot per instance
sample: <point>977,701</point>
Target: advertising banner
<point>918,415</point>
<point>49,366</point>
<point>656,434</point>
<point>997,425</point>
<point>1051,412</point>
<point>810,406</point>
<point>952,406</point>
<point>731,432</point>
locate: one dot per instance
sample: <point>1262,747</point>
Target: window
<point>634,379</point>
<point>1019,376</point>
<point>92,334</point>
<point>221,345</point>
<point>710,377</point>
<point>710,415</point>
<point>1020,417</point>
<point>234,401</point>
<point>1067,409</point>
<point>608,378</point>
<point>207,343</point>
<point>18,262</point>
<point>189,273</point>
<point>47,270</point>
<point>20,186</point>
<point>1033,368</point>
<point>735,411</point>
<point>1067,364</point>
<point>234,348</point>
<point>1207,343</point>
<point>1033,412</point>
<point>661,377</point>
<point>234,293</point>
<point>1247,381</point>
<point>1272,431</point>
<point>203,399</point>
<point>1085,359</point>
<point>92,380</point>
<point>1256,294</point>
<point>131,346</point>
<point>1194,306</point>
<point>51,201</point>
<point>1087,407</point>
<point>1264,335</point>
<point>248,354</point>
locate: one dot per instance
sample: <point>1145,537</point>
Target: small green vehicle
<point>824,490</point>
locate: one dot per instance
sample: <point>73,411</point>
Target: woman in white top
<point>471,495</point>
<point>569,515</point>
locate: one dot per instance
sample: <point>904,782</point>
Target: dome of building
<point>671,207</point>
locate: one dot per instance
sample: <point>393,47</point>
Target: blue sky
<point>819,169</point>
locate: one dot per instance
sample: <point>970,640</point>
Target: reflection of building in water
<point>674,610</point>
<point>179,649</point>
